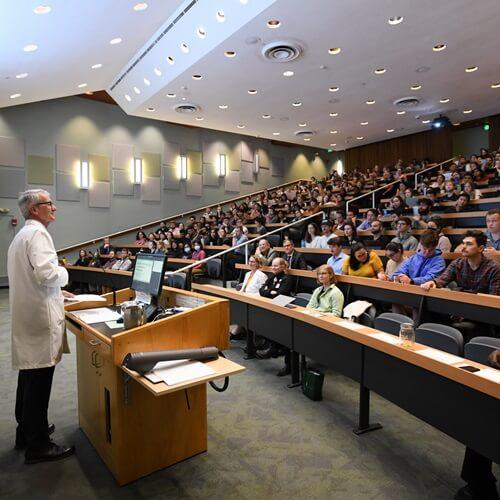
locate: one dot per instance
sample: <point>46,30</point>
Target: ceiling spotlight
<point>21,75</point>
<point>220,16</point>
<point>276,133</point>
<point>302,124</point>
<point>333,144</point>
<point>495,85</point>
<point>150,109</point>
<point>146,81</point>
<point>400,112</point>
<point>157,72</point>
<point>115,41</point>
<point>240,126</point>
<point>416,87</point>
<point>360,138</point>
<point>333,115</point>
<point>333,89</point>
<point>439,47</point>
<point>230,53</point>
<point>197,77</point>
<point>82,85</point>
<point>426,121</point>
<point>128,97</point>
<point>42,9</point>
<point>89,92</point>
<point>393,21</point>
<point>199,118</point>
<point>296,104</point>
<point>96,66</point>
<point>185,48</point>
<point>444,101</point>
<point>170,60</point>
<point>380,71</point>
<point>467,111</point>
<point>252,91</point>
<point>364,123</point>
<point>288,73</point>
<point>137,90</point>
<point>266,116</point>
<point>334,131</point>
<point>334,51</point>
<point>201,32</point>
<point>223,106</point>
<point>471,69</point>
<point>307,139</point>
<point>390,130</point>
<point>140,6</point>
<point>30,48</point>
<point>15,96</point>
<point>171,95</point>
<point>273,23</point>
<point>370,101</point>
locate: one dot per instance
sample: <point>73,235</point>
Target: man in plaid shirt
<point>473,272</point>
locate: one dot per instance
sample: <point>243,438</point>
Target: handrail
<point>430,168</point>
<point>171,217</point>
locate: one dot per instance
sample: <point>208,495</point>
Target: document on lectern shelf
<point>97,315</point>
<point>179,371</point>
<point>85,297</point>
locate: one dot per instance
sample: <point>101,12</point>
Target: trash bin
<point>312,384</point>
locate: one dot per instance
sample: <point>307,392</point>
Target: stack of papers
<point>85,297</point>
<point>97,315</point>
<point>178,371</point>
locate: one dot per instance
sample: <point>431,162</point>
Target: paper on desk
<point>490,374</point>
<point>442,356</point>
<point>97,315</point>
<point>386,337</point>
<point>85,297</point>
<point>113,324</point>
<point>349,324</point>
<point>179,371</point>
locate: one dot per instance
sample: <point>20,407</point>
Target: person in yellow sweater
<point>362,263</point>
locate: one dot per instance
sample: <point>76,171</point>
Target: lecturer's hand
<point>67,295</point>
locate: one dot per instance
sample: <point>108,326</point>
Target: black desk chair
<point>442,337</point>
<point>479,348</point>
<point>391,322</point>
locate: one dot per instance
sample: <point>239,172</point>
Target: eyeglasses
<point>50,203</point>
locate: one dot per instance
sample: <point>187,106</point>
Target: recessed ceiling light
<point>185,48</point>
<point>252,91</point>
<point>302,124</point>
<point>276,133</point>
<point>334,51</point>
<point>495,85</point>
<point>364,123</point>
<point>243,2</point>
<point>96,66</point>
<point>266,116</point>
<point>199,118</point>
<point>21,75</point>
<point>334,131</point>
<point>150,109</point>
<point>444,101</point>
<point>170,60</point>
<point>333,89</point>
<point>140,6</point>
<point>471,69</point>
<point>89,92</point>
<point>128,97</point>
<point>380,71</point>
<point>240,126</point>
<point>137,90</point>
<point>296,104</point>
<point>360,138</point>
<point>30,48</point>
<point>220,16</point>
<point>333,144</point>
<point>42,9</point>
<point>456,124</point>
<point>201,32</point>
<point>171,95</point>
<point>439,47</point>
<point>467,111</point>
<point>15,96</point>
<point>157,72</point>
<point>395,20</point>
<point>307,139</point>
<point>82,85</point>
<point>426,121</point>
<point>288,73</point>
<point>223,106</point>
<point>230,53</point>
<point>390,130</point>
<point>146,81</point>
<point>197,77</point>
<point>370,101</point>
<point>115,41</point>
<point>333,115</point>
<point>416,87</point>
<point>273,23</point>
<point>400,112</point>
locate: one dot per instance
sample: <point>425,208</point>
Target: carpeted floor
<point>265,441</point>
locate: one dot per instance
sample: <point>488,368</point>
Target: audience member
<point>123,263</point>
<point>83,259</point>
<point>254,279</point>
<point>404,235</point>
<point>378,240</point>
<point>140,239</point>
<point>436,224</point>
<point>311,238</point>
<point>106,247</point>
<point>493,231</point>
<point>350,234</point>
<point>336,261</point>
<point>265,251</point>
<point>362,263</point>
<point>110,261</point>
<point>461,205</point>
<point>327,298</point>
<point>395,257</point>
<point>294,259</point>
<point>326,234</point>
<point>371,216</point>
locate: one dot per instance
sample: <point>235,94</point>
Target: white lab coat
<point>36,301</point>
<point>256,283</point>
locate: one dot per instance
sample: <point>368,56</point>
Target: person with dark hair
<point>312,236</point>
<point>436,224</point>
<point>371,216</point>
<point>198,254</point>
<point>395,257</point>
<point>350,234</point>
<point>106,247</point>
<point>461,205</point>
<point>294,259</point>
<point>83,259</point>
<point>362,263</point>
<point>336,261</point>
<point>340,220</point>
<point>260,223</point>
<point>404,235</point>
<point>378,240</point>
<point>140,238</point>
<point>493,232</point>
<point>399,207</point>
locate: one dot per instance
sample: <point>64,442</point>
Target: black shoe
<point>284,371</point>
<point>468,493</point>
<point>48,453</point>
<point>268,353</point>
<point>21,442</point>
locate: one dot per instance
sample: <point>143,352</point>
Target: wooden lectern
<point>138,427</point>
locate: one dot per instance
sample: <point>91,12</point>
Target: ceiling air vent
<point>281,51</point>
<point>304,133</point>
<point>186,108</point>
<point>407,102</point>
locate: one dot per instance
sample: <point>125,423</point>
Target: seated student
<point>371,216</point>
<point>409,197</point>
<point>271,217</point>
<point>350,235</point>
<point>294,259</point>
<point>461,205</point>
<point>340,220</point>
<point>311,237</point>
<point>398,207</point>
<point>265,251</point>
<point>260,223</point>
<point>198,254</point>
<point>140,239</point>
<point>404,235</point>
<point>254,279</point>
<point>436,224</point>
<point>493,231</point>
<point>237,256</point>
<point>378,240</point>
<point>222,237</point>
<point>174,251</point>
<point>186,250</point>
<point>449,193</point>
<point>327,298</point>
<point>110,261</point>
<point>362,263</point>
<point>425,206</point>
<point>106,247</point>
<point>326,234</point>
<point>424,266</point>
<point>395,257</point>
<point>83,259</point>
<point>124,263</point>
<point>336,261</point>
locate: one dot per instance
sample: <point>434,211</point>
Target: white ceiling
<point>80,31</point>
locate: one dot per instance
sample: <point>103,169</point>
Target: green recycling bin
<point>312,384</point>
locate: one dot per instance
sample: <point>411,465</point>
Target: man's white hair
<point>29,198</point>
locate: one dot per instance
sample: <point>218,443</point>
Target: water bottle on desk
<point>407,335</point>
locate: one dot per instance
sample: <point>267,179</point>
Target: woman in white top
<point>312,238</point>
<point>255,278</point>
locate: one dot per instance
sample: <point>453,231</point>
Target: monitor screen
<point>148,273</point>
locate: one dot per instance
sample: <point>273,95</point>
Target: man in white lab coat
<point>38,326</point>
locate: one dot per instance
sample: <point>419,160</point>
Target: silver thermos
<point>133,314</point>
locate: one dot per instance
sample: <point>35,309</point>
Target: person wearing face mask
<point>198,254</point>
<point>186,252</point>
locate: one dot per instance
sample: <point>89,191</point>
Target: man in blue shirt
<point>371,215</point>
<point>338,256</point>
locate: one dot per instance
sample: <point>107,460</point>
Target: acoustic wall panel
<point>247,150</point>
<point>171,153</point>
<point>210,175</point>
<point>122,183</point>
<point>66,187</point>
<point>67,159</point>
<point>194,162</point>
<point>100,195</point>
<point>232,182</point>
<point>40,170</point>
<point>264,158</point>
<point>264,177</point>
<point>277,167</point>
<point>246,172</point>
<point>12,182</point>
<point>171,179</point>
<point>151,189</point>
<point>11,152</point>
<point>100,168</point>
<point>151,165</point>
<point>234,158</point>
<point>211,151</point>
<point>122,156</point>
<point>194,185</point>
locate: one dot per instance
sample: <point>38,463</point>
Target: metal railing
<point>385,186</point>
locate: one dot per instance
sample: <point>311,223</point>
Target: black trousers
<point>32,403</point>
<point>476,471</point>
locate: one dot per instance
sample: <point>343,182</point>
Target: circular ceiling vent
<point>304,133</point>
<point>407,102</point>
<point>281,51</point>
<point>186,108</point>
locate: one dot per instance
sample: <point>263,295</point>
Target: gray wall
<point>95,127</point>
<point>469,141</point>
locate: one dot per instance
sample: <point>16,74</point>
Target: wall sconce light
<point>137,170</point>
<point>222,165</point>
<point>84,178</point>
<point>184,167</point>
<point>256,164</point>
